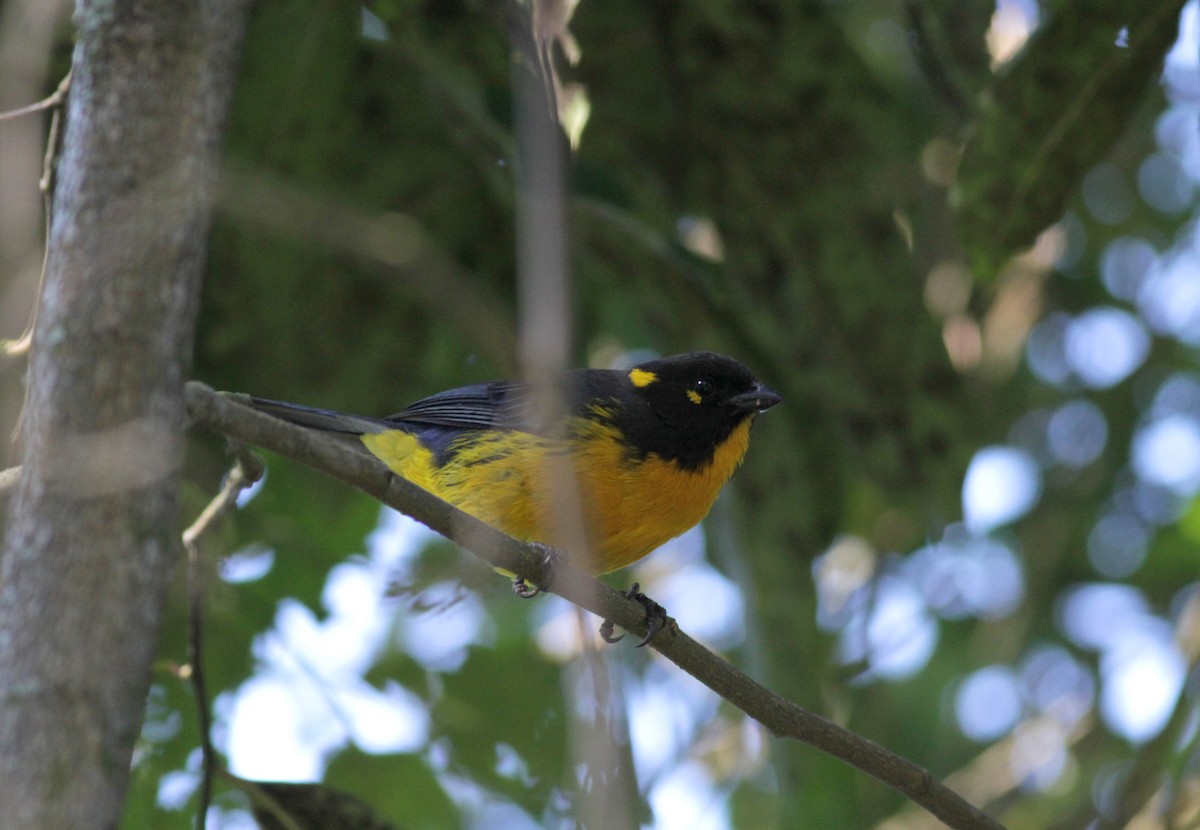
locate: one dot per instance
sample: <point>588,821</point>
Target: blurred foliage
<point>313,805</point>
<point>820,141</point>
<point>1007,189</point>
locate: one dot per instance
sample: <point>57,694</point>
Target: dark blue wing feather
<point>479,406</point>
<point>506,404</point>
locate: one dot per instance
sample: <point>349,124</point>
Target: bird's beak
<point>759,399</point>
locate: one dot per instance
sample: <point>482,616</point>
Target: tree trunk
<point>93,530</point>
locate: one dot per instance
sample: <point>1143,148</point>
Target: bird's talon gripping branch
<point>606,633</point>
<point>656,618</point>
<point>527,590</point>
<point>524,589</point>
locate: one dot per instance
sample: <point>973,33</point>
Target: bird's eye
<point>703,387</point>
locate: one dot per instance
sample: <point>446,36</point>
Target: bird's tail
<point>325,420</point>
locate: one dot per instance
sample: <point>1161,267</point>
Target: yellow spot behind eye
<point>693,396</point>
<point>640,377</point>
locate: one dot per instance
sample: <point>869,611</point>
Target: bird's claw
<point>523,589</point>
<point>656,618</point>
<point>526,589</point>
<point>606,633</point>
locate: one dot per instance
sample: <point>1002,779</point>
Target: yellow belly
<point>630,506</point>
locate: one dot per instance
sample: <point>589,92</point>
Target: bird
<point>650,448</point>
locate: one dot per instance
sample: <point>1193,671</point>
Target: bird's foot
<point>527,590</point>
<point>523,589</point>
<point>656,618</point>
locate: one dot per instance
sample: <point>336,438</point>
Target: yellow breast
<point>630,505</point>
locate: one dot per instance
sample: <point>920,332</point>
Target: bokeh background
<point>960,238</point>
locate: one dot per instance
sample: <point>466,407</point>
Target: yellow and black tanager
<point>651,447</point>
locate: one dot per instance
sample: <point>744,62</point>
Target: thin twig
<point>46,183</point>
<point>247,469</point>
<point>20,346</point>
<point>50,101</point>
<point>223,413</point>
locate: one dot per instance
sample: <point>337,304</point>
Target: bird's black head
<point>691,403</point>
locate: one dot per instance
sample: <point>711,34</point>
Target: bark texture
<point>93,532</point>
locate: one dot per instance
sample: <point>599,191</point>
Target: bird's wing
<point>503,404</point>
<point>494,405</point>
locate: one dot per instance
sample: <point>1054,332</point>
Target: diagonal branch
<point>222,412</point>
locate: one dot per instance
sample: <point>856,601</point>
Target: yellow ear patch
<point>640,377</point>
<point>694,396</point>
